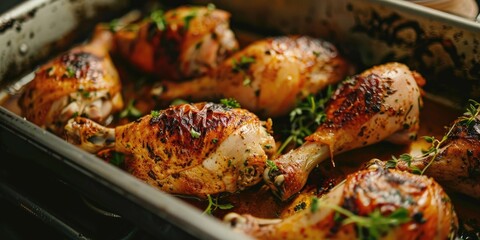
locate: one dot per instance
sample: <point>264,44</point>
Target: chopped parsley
<point>230,103</point>
<point>154,114</point>
<point>194,133</point>
<point>158,18</point>
<point>70,72</point>
<point>242,64</point>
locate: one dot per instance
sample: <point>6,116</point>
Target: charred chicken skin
<point>380,103</point>
<point>267,77</point>
<point>427,211</point>
<point>457,164</point>
<point>191,149</point>
<point>82,81</point>
<point>181,43</point>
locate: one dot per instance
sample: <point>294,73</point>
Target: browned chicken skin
<point>192,149</point>
<point>267,77</point>
<point>429,210</point>
<point>82,81</point>
<point>457,165</point>
<point>182,43</point>
<point>381,103</point>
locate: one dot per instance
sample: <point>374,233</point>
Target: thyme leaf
<point>214,205</point>
<point>194,133</point>
<point>372,226</point>
<point>271,165</point>
<point>158,18</point>
<point>472,112</point>
<point>306,117</point>
<point>230,103</point>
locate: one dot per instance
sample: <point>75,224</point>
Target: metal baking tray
<point>443,47</point>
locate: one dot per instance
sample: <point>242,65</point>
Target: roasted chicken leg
<point>416,206</point>
<point>380,103</point>
<point>181,43</point>
<point>457,164</point>
<point>82,81</point>
<point>268,77</point>
<point>192,149</point>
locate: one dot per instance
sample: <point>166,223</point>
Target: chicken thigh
<point>181,43</point>
<point>380,103</point>
<point>268,77</point>
<point>370,204</point>
<point>82,81</point>
<point>192,149</point>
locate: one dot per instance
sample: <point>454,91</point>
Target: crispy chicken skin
<point>457,165</point>
<point>380,103</point>
<point>431,214</point>
<point>267,77</point>
<point>182,43</point>
<point>191,149</point>
<point>82,81</point>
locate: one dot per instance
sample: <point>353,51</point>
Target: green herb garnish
<point>158,18</point>
<point>117,159</point>
<point>211,7</point>
<point>230,102</point>
<point>154,114</point>
<point>271,165</point>
<point>178,101</point>
<point>306,117</point>
<point>372,226</point>
<point>70,72</point>
<point>242,64</point>
<point>472,112</point>
<point>214,205</point>
<point>130,111</point>
<point>194,133</point>
<point>113,25</point>
<point>314,204</point>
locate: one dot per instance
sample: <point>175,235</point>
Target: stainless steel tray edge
<point>108,185</point>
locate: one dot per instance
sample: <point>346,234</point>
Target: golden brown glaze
<point>192,149</point>
<point>431,214</point>
<point>82,81</point>
<point>190,42</point>
<point>267,77</point>
<point>380,103</point>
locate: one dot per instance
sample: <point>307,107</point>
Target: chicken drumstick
<point>267,77</point>
<point>381,103</point>
<point>181,43</point>
<point>82,81</point>
<point>416,208</point>
<point>192,149</point>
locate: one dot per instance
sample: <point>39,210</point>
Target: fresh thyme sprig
<point>306,117</point>
<point>472,112</point>
<point>372,226</point>
<point>130,111</point>
<point>214,205</point>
